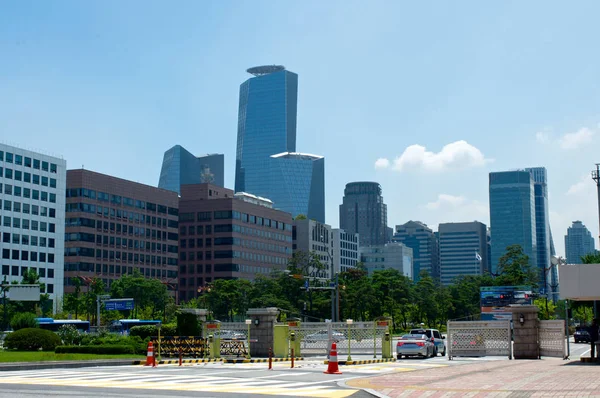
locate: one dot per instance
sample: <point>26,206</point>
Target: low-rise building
<point>312,236</point>
<point>228,236</point>
<point>391,255</point>
<point>345,250</point>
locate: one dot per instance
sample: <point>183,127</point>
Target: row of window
<point>19,175</point>
<point>121,200</point>
<point>18,239</point>
<point>28,193</point>
<point>116,270</point>
<point>14,271</point>
<point>219,254</point>
<point>121,214</point>
<point>208,269</point>
<point>231,241</point>
<point>123,229</point>
<point>26,161</point>
<point>205,216</point>
<point>26,208</point>
<point>24,255</point>
<point>112,255</point>
<point>24,223</point>
<point>117,242</point>
<point>193,230</point>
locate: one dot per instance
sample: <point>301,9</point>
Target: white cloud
<point>542,136</point>
<point>577,139</point>
<point>445,199</point>
<point>456,155</point>
<point>454,208</point>
<point>584,185</point>
<point>382,163</point>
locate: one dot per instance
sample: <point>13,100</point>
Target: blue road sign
<point>119,305</point>
<point>306,284</point>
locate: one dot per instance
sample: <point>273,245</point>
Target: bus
<point>55,324</point>
<point>122,326</point>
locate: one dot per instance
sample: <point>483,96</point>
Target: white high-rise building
<point>32,208</point>
<point>345,250</point>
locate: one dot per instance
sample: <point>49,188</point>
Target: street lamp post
<point>349,323</point>
<point>596,178</point>
<point>248,323</point>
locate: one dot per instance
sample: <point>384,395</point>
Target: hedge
<point>95,349</point>
<point>31,339</point>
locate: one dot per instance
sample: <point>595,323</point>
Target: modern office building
<point>267,164</point>
<point>311,236</point>
<point>388,256</point>
<point>542,225</point>
<point>512,214</point>
<point>345,250</point>
<point>298,184</point>
<point>228,236</point>
<point>578,242</point>
<point>180,167</point>
<point>363,212</point>
<point>463,250</point>
<point>424,244</point>
<point>32,196</point>
<point>115,226</point>
<point>488,266</point>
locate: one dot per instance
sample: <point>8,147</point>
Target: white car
<point>323,335</point>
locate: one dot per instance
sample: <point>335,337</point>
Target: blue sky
<point>477,86</point>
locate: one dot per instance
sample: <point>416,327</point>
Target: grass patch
<point>39,356</point>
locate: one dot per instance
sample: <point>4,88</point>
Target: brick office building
<point>227,236</point>
<point>113,226</point>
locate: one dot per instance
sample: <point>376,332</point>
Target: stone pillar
<point>525,334</point>
<point>262,330</point>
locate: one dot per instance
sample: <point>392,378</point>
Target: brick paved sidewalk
<point>517,378</point>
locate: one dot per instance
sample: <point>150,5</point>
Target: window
<point>27,177</point>
<point>16,239</point>
<point>26,193</point>
<point>36,179</point>
<point>45,181</point>
<point>53,183</point>
<point>35,194</point>
<point>25,224</point>
<point>52,198</point>
<point>27,162</point>
<point>6,237</point>
<point>53,167</point>
<point>18,175</point>
<point>17,191</point>
<point>8,173</point>
<point>7,221</point>
<point>19,160</point>
<point>9,157</point>
<point>17,207</point>
<point>204,216</point>
<point>7,205</point>
<point>44,196</point>
<point>35,209</point>
<point>45,166</point>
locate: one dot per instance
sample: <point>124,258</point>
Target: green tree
<point>305,263</point>
<point>515,269</point>
<point>591,258</point>
<point>425,299</point>
<point>300,217</point>
<point>148,294</point>
<point>73,302</point>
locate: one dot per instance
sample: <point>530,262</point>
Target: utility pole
<point>596,178</point>
<point>5,286</point>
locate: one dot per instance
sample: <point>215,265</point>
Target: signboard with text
<point>496,299</point>
<point>119,304</point>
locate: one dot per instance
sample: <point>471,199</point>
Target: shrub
<point>95,349</point>
<point>23,321</point>
<point>69,335</point>
<point>32,339</point>
<point>168,330</point>
<point>138,344</point>
<point>188,325</point>
<point>144,331</point>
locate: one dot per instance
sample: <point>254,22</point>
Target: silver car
<point>418,345</point>
<point>323,335</point>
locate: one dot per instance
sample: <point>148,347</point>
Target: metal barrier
<point>479,338</point>
<point>190,346</point>
<point>233,337</point>
<point>552,339</point>
<point>233,348</point>
<point>356,338</point>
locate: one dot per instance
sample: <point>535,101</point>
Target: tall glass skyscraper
<point>424,244</point>
<point>578,242</point>
<point>463,250</point>
<point>512,214</point>
<point>298,184</point>
<point>542,226</point>
<point>363,211</point>
<point>267,163</point>
<point>266,125</point>
<point>180,167</point>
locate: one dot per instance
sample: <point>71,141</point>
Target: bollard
<point>292,358</point>
<point>180,356</point>
<point>270,359</point>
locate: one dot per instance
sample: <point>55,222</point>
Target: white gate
<point>479,338</point>
<point>360,337</point>
<point>552,339</point>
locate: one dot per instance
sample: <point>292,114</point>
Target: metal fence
<point>552,339</point>
<point>233,337</point>
<point>188,346</point>
<point>479,338</point>
<point>357,338</point>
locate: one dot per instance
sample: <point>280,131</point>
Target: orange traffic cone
<point>150,357</point>
<point>332,367</point>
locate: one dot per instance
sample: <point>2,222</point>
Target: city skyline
<point>444,108</point>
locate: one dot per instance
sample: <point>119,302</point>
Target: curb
<point>362,362</point>
<point>260,360</point>
<point>587,360</point>
<point>5,367</point>
<point>176,361</point>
